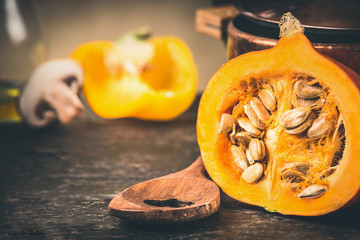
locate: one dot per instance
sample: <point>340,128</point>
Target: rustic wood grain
<point>189,185</point>
<point>56,183</point>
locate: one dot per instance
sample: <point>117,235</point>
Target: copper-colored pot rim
<point>239,42</point>
<point>234,32</point>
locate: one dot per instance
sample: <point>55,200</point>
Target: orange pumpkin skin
<point>293,53</point>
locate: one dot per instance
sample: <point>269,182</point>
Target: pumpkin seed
<point>249,158</point>
<point>226,123</point>
<point>319,104</point>
<point>320,127</point>
<point>268,98</point>
<point>292,176</point>
<point>297,166</point>
<point>256,149</point>
<point>304,90</point>
<point>327,172</point>
<point>302,128</point>
<point>232,137</point>
<point>313,191</point>
<point>243,138</point>
<point>314,103</point>
<point>239,156</point>
<point>242,146</point>
<point>253,173</point>
<point>232,134</point>
<point>260,110</point>
<point>303,102</point>
<point>249,111</point>
<point>245,124</point>
<point>295,117</point>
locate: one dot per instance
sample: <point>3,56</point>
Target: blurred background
<point>33,31</point>
<point>66,24</point>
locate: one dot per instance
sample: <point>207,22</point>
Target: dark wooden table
<point>56,183</point>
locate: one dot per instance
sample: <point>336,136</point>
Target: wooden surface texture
<point>56,183</point>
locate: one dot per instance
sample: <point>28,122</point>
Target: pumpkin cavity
<point>288,125</point>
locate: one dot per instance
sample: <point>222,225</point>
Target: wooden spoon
<point>179,197</point>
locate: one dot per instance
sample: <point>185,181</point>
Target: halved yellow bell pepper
<point>153,79</point>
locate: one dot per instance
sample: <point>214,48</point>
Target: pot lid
<point>316,14</point>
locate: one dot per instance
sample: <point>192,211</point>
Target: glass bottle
<point>22,49</point>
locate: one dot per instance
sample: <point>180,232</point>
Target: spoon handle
<point>196,169</point>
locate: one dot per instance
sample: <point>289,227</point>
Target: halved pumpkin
<point>311,158</point>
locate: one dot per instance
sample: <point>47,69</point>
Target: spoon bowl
<point>179,197</point>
